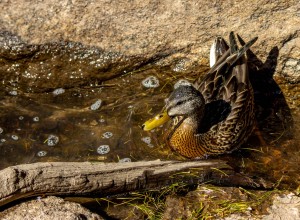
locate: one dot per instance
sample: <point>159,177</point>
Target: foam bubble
<point>1,130</point>
<point>150,82</point>
<point>36,119</point>
<point>41,153</point>
<point>21,117</point>
<point>58,91</point>
<point>125,160</point>
<point>147,140</point>
<point>96,105</point>
<point>107,134</point>
<point>15,137</point>
<point>14,92</point>
<point>52,140</point>
<point>103,149</point>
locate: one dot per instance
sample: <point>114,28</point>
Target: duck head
<point>184,102</point>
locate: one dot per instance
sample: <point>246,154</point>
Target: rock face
<point>145,28</point>
<point>47,209</point>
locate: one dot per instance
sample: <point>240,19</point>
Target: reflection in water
<point>102,123</point>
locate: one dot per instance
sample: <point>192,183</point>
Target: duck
<point>213,115</point>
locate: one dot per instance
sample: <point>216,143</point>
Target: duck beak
<point>156,121</point>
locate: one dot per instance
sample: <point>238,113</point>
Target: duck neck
<point>194,120</point>
<point>184,139</point>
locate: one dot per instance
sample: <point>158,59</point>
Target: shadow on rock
<point>274,118</point>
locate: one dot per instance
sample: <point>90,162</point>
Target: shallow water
<point>102,122</point>
<point>29,119</point>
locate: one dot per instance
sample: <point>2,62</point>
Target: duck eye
<point>179,103</point>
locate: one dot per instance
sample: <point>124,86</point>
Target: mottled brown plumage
<point>225,120</point>
<point>214,115</point>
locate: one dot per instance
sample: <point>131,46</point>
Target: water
<point>102,121</point>
<point>70,126</point>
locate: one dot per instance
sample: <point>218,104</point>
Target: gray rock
<point>48,209</point>
<point>146,28</point>
<point>286,206</point>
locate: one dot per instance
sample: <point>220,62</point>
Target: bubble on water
<point>125,160</point>
<point>36,119</point>
<point>1,130</point>
<point>14,92</point>
<point>21,117</point>
<point>107,134</point>
<point>15,137</point>
<point>2,140</point>
<point>103,149</point>
<point>41,153</point>
<point>52,140</point>
<point>96,105</point>
<point>102,120</point>
<point>147,140</point>
<point>58,91</point>
<point>182,82</point>
<point>150,82</point>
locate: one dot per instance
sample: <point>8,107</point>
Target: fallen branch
<point>101,179</point>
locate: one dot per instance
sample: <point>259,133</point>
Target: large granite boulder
<point>143,31</point>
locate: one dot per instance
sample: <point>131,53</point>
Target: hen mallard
<point>214,115</point>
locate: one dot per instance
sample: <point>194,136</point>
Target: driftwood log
<point>102,179</point>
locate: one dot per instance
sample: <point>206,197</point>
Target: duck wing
<point>228,81</point>
<point>228,72</point>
